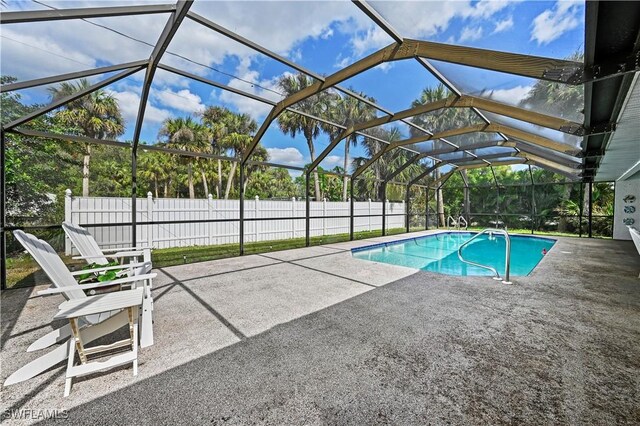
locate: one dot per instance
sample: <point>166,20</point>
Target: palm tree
<point>259,154</point>
<point>188,135</point>
<point>372,177</point>
<point>158,169</point>
<point>216,119</point>
<point>349,111</point>
<point>96,115</point>
<point>292,124</point>
<point>562,100</point>
<point>152,170</point>
<point>448,118</point>
<point>241,128</point>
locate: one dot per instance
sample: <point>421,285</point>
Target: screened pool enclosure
<point>462,149</point>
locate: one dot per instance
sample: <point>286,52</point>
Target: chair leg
<point>134,337</point>
<point>146,320</point>
<point>69,378</point>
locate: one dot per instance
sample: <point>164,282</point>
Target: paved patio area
<point>315,336</point>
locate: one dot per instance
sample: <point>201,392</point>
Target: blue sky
<point>322,36</point>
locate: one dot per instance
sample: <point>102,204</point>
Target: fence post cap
<point>324,200</point>
<point>67,192</point>
<point>149,194</point>
<point>210,197</point>
<point>369,199</point>
<point>293,198</point>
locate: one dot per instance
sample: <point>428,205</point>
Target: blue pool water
<point>439,253</point>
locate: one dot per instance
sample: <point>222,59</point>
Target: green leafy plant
<point>90,276</point>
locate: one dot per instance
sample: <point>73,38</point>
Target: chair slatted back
<point>635,236</point>
<point>84,242</point>
<point>50,263</point>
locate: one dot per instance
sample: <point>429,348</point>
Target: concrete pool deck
<point>315,336</point>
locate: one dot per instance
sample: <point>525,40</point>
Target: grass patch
<point>547,233</point>
<point>23,271</point>
<point>181,255</point>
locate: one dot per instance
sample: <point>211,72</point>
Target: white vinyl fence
<point>114,210</point>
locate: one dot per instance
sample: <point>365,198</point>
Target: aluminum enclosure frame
<point>598,84</point>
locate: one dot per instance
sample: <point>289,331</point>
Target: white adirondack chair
<point>635,236</point>
<point>92,253</point>
<point>100,324</point>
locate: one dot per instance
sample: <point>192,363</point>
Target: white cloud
<point>511,96</point>
<point>342,62</point>
<point>372,38</point>
<point>182,100</point>
<point>264,88</point>
<point>281,28</point>
<point>296,55</point>
<point>503,25</point>
<point>286,156</point>
<point>486,8</point>
<point>27,56</point>
<point>470,34</point>
<point>385,66</point>
<point>327,33</point>
<point>553,23</point>
<point>129,102</point>
<point>333,160</point>
<point>421,19</point>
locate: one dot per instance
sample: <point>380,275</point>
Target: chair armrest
<point>126,254</point>
<point>126,280</point>
<point>113,256</point>
<point>88,257</point>
<point>108,268</point>
<point>125,249</point>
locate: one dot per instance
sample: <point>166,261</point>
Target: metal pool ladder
<point>457,224</point>
<point>507,254</point>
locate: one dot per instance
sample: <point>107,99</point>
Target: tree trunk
<point>85,170</point>
<point>155,185</point>
<point>376,169</point>
<point>316,179</point>
<point>166,188</point>
<point>345,179</point>
<point>219,187</point>
<point>192,191</point>
<point>232,174</point>
<point>585,200</point>
<point>467,201</point>
<point>205,186</point>
<point>441,207</point>
<point>563,222</point>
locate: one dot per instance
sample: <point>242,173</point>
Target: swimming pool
<point>439,253</point>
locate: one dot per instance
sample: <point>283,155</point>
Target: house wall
<point>625,188</point>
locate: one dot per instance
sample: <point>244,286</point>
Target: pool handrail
<point>451,219</point>
<point>457,224</point>
<point>462,219</point>
<point>507,254</point>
